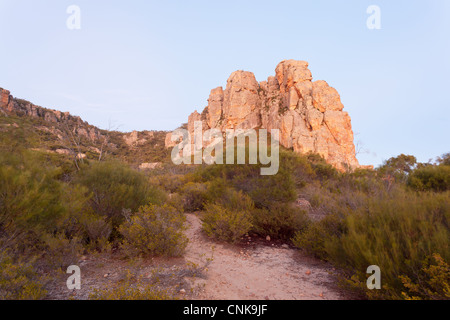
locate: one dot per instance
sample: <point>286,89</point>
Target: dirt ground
<point>257,269</point>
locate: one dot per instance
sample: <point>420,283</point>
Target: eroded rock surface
<point>308,114</point>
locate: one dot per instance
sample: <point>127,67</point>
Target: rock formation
<point>308,114</point>
<point>25,108</point>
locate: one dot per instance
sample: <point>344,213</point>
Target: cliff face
<point>308,114</point>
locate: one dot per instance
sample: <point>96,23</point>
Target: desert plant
<point>155,230</point>
<point>430,178</point>
<point>114,187</point>
<point>19,280</point>
<point>61,252</point>
<point>195,196</point>
<point>226,224</point>
<point>279,221</point>
<point>432,282</point>
<point>395,233</point>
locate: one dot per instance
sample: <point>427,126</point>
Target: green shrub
<point>18,280</point>
<point>430,178</point>
<point>169,182</point>
<point>395,233</point>
<point>155,230</point>
<point>30,202</point>
<point>115,187</point>
<point>226,224</point>
<point>263,190</point>
<point>432,282</point>
<point>279,221</point>
<point>61,252</point>
<point>98,231</point>
<point>176,200</point>
<point>312,239</point>
<point>229,198</point>
<point>195,196</point>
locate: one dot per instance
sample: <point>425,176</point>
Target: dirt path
<point>255,270</point>
<point>258,271</point>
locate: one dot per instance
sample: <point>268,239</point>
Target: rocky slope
<point>66,134</point>
<point>309,114</point>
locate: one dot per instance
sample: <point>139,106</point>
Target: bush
<point>155,230</point>
<point>279,221</point>
<point>263,190</point>
<point>312,239</point>
<point>396,233</point>
<point>226,224</point>
<point>61,252</point>
<point>430,178</point>
<point>98,231</point>
<point>115,186</point>
<point>30,202</point>
<point>18,280</point>
<point>432,283</point>
<point>195,196</point>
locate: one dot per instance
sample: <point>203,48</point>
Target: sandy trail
<point>258,271</point>
<point>255,270</point>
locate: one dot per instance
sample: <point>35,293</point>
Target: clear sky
<point>144,65</point>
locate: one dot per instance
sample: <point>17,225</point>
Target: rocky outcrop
<point>309,114</point>
<point>136,139</point>
<point>63,119</point>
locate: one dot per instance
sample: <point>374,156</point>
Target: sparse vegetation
<point>51,212</point>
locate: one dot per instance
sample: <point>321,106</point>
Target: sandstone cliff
<point>308,114</point>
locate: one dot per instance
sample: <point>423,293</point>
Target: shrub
<point>396,233</point>
<point>61,252</point>
<point>279,221</point>
<point>229,198</point>
<point>430,178</point>
<point>226,224</point>
<point>30,202</point>
<point>98,231</point>
<point>18,280</point>
<point>176,200</point>
<point>155,230</point>
<point>195,196</point>
<point>264,190</point>
<point>115,186</point>
<point>432,282</point>
<point>169,182</point>
<point>312,239</point>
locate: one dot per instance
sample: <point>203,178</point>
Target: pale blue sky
<point>149,64</point>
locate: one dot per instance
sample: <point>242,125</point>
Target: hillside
<point>30,126</point>
<point>73,194</point>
